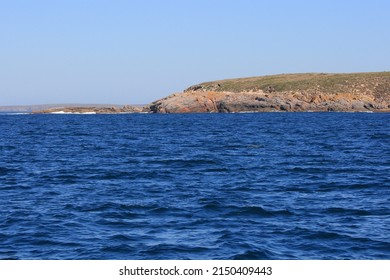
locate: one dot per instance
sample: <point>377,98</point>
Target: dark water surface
<point>195,186</point>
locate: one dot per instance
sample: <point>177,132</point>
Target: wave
<point>72,113</point>
<point>256,211</point>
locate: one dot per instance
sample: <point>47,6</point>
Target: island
<point>309,92</point>
<point>317,92</point>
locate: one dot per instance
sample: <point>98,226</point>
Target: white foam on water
<point>73,113</point>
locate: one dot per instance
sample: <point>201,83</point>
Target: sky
<point>137,51</point>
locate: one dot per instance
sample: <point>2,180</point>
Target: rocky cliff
<point>288,92</point>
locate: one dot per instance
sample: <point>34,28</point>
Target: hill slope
<point>287,92</point>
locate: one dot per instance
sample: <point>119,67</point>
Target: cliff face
<point>294,92</point>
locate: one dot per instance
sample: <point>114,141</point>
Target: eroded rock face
<point>212,101</point>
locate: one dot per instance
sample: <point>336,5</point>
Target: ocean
<point>195,186</point>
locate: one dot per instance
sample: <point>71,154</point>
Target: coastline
<point>310,92</point>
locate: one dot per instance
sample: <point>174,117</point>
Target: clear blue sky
<point>136,51</point>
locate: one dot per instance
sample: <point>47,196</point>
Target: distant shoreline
<point>42,107</point>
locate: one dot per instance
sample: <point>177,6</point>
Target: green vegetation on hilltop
<point>329,83</point>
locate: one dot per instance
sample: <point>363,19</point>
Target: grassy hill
<point>377,82</point>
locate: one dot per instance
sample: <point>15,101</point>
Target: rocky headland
<point>315,92</point>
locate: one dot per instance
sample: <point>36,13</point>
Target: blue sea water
<point>195,186</point>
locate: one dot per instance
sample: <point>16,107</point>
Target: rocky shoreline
<point>228,102</point>
<point>318,92</point>
<point>92,110</point>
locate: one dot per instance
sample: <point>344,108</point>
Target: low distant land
<point>310,92</point>
<point>71,108</point>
